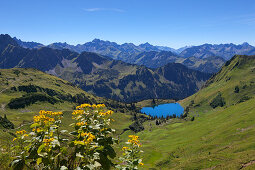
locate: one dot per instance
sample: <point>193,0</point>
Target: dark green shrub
<point>243,99</point>
<point>192,119</point>
<point>136,127</point>
<point>6,123</point>
<point>218,101</point>
<point>236,89</point>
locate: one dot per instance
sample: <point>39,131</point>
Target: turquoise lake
<point>164,110</point>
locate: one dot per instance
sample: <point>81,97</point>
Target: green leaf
<point>34,125</point>
<point>40,148</point>
<point>110,151</point>
<point>39,160</point>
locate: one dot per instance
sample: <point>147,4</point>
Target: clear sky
<point>173,23</point>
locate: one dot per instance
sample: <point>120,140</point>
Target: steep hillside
<point>218,137</point>
<point>235,81</point>
<point>208,65</point>
<point>103,76</point>
<point>126,82</point>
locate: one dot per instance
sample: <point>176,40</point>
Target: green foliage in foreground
<point>89,147</point>
<point>31,81</point>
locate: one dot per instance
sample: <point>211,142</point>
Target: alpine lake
<point>164,110</point>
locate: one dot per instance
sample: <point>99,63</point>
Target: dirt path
<point>247,164</point>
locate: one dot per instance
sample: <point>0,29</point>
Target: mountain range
<point>206,58</point>
<point>226,51</point>
<point>102,75</point>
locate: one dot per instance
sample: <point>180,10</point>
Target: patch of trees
<point>78,98</point>
<point>33,88</point>
<point>29,99</point>
<point>218,101</point>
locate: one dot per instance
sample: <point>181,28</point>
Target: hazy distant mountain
<point>103,76</point>
<point>225,51</point>
<point>28,44</point>
<point>154,59</point>
<point>177,51</point>
<point>107,48</point>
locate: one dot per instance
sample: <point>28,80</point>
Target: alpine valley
<point>215,85</point>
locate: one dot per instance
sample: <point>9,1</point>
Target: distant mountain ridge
<point>225,51</point>
<point>103,76</point>
<point>205,58</point>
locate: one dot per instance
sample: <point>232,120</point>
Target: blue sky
<point>173,23</point>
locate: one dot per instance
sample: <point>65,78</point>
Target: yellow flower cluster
<point>43,118</point>
<point>21,132</point>
<point>43,112</point>
<point>81,123</point>
<point>134,140</point>
<point>89,105</point>
<point>48,141</point>
<point>78,112</point>
<point>88,137</point>
<point>109,112</point>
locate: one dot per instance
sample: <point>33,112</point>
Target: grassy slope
<point>8,79</point>
<point>221,138</point>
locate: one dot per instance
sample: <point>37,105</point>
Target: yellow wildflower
<point>81,123</point>
<point>125,148</point>
<point>21,132</point>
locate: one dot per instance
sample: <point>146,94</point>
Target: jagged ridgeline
<point>103,76</point>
